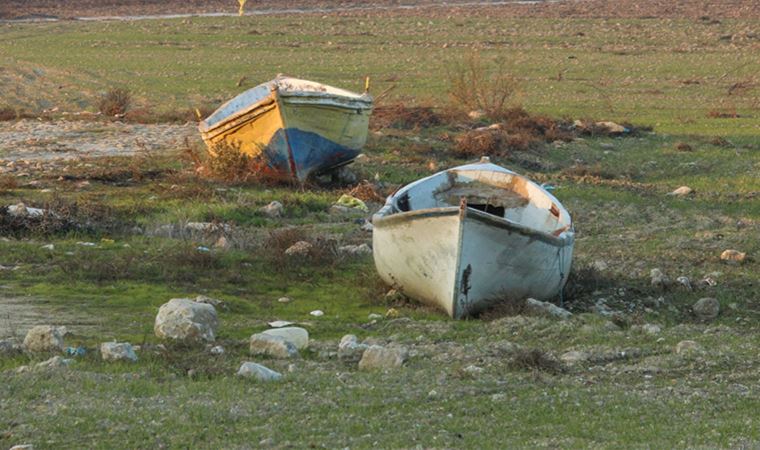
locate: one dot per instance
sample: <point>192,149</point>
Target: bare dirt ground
<point>25,9</point>
<point>33,140</point>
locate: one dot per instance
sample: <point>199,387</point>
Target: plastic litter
<point>75,351</point>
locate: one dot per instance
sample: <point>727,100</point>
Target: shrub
<point>473,87</point>
<point>115,102</point>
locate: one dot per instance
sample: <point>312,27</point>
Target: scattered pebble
<point>546,309</point>
<point>317,313</point>
<point>258,372</point>
<point>706,308</point>
<point>376,357</point>
<point>682,191</point>
<point>733,256</point>
<point>274,346</point>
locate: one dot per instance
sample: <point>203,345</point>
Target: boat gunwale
<point>499,222</point>
<point>364,104</point>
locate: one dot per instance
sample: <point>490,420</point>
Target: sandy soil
<point>19,9</point>
<point>34,140</point>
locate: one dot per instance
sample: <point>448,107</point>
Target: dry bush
<point>473,87</point>
<point>323,252</point>
<point>115,102</point>
<point>535,359</point>
<point>8,182</point>
<point>228,164</point>
<point>404,117</point>
<point>477,143</point>
<point>7,114</point>
<point>719,141</point>
<point>683,147</point>
<point>729,113</point>
<point>366,192</point>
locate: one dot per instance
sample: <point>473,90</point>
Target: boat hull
<point>463,260</point>
<point>294,136</point>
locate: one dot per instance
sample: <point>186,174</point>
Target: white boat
<point>468,237</point>
<point>296,128</point>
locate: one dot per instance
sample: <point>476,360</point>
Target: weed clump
<point>404,117</point>
<point>473,87</point>
<point>683,147</point>
<point>7,114</point>
<point>115,102</point>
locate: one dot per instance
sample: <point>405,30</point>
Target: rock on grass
<point>546,309</point>
<point>258,372</point>
<point>295,335</point>
<point>273,346</point>
<point>44,338</point>
<point>706,308</point>
<point>379,358</point>
<point>184,320</point>
<point>117,351</point>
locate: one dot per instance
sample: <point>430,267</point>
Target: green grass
<point>622,70</point>
<point>669,74</point>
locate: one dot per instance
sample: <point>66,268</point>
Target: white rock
<point>574,357</point>
<point>21,210</point>
<point>688,347</point>
<point>300,248</point>
<point>284,300</point>
<point>658,278</point>
<point>9,347</point>
<point>349,348</point>
<point>44,338</point>
<point>600,265</point>
<point>48,247</point>
<point>258,372</point>
<point>473,370</point>
<point>274,346</point>
<point>355,250</point>
<point>612,127</point>
<point>185,320</point>
<point>317,313</point>
<point>682,191</point>
<point>375,316</point>
<point>273,209</point>
<point>650,328</point>
<point>279,323</point>
<point>685,282</point>
<point>217,350</point>
<point>215,302</point>
<point>295,335</point>
<point>377,357</point>
<point>117,351</point>
<point>706,308</point>
<point>56,362</point>
<point>23,447</point>
<point>368,227</point>
<point>546,309</point>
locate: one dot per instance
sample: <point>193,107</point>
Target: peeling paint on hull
<point>462,259</point>
<point>298,128</point>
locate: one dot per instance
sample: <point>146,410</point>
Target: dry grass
<point>683,147</point>
<point>473,86</point>
<point>228,164</point>
<point>404,117</point>
<point>7,114</point>
<point>538,360</point>
<point>115,102</point>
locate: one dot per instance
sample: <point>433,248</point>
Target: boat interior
<point>501,194</point>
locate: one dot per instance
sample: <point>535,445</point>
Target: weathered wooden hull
<point>463,260</point>
<point>294,134</point>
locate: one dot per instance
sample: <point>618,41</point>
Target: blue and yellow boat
<point>297,128</point>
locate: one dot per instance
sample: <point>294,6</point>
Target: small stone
<point>44,338</point>
<point>682,191</point>
<point>687,347</point>
<point>222,243</point>
<point>377,357</point>
<point>612,127</point>
<point>295,335</point>
<point>733,256</point>
<point>317,313</point>
<point>273,209</point>
<point>114,351</point>
<point>217,350</point>
<point>349,348</point>
<point>22,447</point>
<point>48,247</point>
<point>274,346</point>
<point>374,316</point>
<point>279,323</point>
<point>476,114</point>
<point>599,265</point>
<point>284,300</point>
<point>706,308</point>
<point>546,309</point>
<point>215,302</point>
<point>9,347</point>
<point>574,357</point>
<point>185,320</point>
<point>258,372</point>
<point>368,227</point>
<point>355,250</point>
<point>650,328</point>
<point>684,282</point>
<point>56,362</point>
<point>473,370</point>
<point>658,279</point>
<point>300,248</point>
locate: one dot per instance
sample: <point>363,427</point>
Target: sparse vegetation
<point>115,102</point>
<point>474,86</point>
